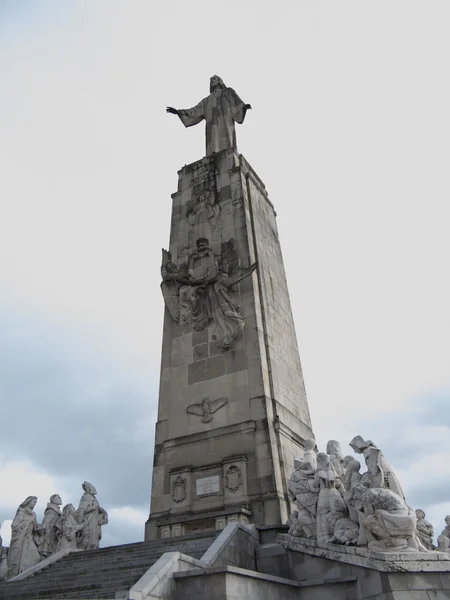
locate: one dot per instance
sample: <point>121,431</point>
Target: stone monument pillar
<point>232,412</point>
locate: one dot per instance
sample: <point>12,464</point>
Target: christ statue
<point>220,110</point>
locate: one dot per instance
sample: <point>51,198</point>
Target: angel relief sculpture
<point>200,291</point>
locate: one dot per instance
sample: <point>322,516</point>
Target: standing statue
<point>304,493</point>
<point>379,472</point>
<point>351,480</point>
<point>68,529</point>
<point>330,504</point>
<point>221,109</point>
<point>334,451</point>
<point>444,539</point>
<point>50,523</point>
<point>90,510</point>
<point>25,537</point>
<point>424,530</point>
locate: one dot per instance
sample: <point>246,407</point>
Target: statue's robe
<point>221,109</point>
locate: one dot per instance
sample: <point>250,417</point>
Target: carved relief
<point>202,214</point>
<point>233,478</point>
<point>206,408</point>
<point>179,489</point>
<point>200,293</point>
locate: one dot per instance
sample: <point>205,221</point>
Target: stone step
<point>98,574</point>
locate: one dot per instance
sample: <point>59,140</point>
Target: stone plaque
<point>208,485</point>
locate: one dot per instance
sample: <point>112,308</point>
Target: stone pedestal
<point>233,411</point>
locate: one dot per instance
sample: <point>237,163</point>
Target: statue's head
<point>353,466</point>
<point>29,502</point>
<point>216,82</point>
<point>202,243</point>
<point>56,499</point>
<point>323,461</point>
<point>359,444</point>
<point>310,444</point>
<point>447,520</point>
<point>68,509</point>
<point>420,514</point>
<point>89,488</point>
<point>334,447</point>
<point>347,460</point>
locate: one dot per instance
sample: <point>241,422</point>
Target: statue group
<point>60,530</point>
<point>336,503</point>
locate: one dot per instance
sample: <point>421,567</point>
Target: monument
<point>244,505</point>
<point>232,412</point>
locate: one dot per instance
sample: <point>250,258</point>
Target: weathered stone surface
<point>266,418</point>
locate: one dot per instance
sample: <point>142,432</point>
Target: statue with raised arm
<point>221,110</point>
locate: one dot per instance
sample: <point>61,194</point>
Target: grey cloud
<point>73,414</point>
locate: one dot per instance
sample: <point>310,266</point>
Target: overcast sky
<point>350,131</point>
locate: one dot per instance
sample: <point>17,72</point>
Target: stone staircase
<point>99,574</point>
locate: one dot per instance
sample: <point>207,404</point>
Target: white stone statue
<point>424,530</point>
<point>25,537</point>
<point>68,529</point>
<point>330,504</point>
<point>221,110</point>
<point>90,510</point>
<point>351,480</point>
<point>310,455</point>
<point>444,539</point>
<point>389,523</point>
<point>50,523</point>
<point>334,451</point>
<point>379,472</point>
<point>302,490</point>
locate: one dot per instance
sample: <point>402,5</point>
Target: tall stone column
<point>232,412</point>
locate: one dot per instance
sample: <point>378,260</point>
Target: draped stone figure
<point>90,510</point>
<point>69,528</point>
<point>302,490</point>
<point>425,530</point>
<point>201,292</point>
<point>25,537</point>
<point>379,472</point>
<point>50,523</point>
<point>221,110</point>
<point>334,451</point>
<point>390,524</point>
<point>444,538</point>
<point>330,504</point>
<point>202,214</point>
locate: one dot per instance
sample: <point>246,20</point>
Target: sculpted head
<point>29,502</point>
<point>68,509</point>
<point>323,461</point>
<point>310,444</point>
<point>420,514</point>
<point>216,82</point>
<point>334,447</point>
<point>347,460</point>
<point>353,466</point>
<point>202,244</point>
<point>89,488</point>
<point>359,444</point>
<point>447,520</point>
<point>56,499</point>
